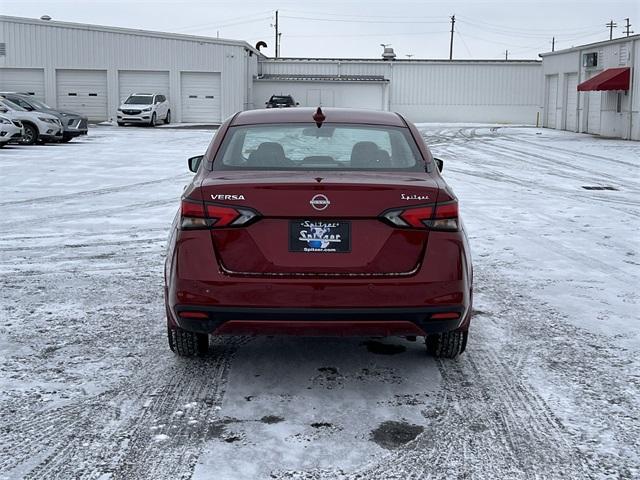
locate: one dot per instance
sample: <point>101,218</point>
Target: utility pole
<point>277,36</point>
<point>611,25</point>
<point>627,27</point>
<point>553,44</point>
<point>506,54</point>
<point>453,22</point>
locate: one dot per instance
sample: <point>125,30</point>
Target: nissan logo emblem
<point>319,202</point>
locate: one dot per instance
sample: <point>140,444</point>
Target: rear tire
<point>446,344</point>
<point>30,136</point>
<point>121,124</point>
<point>187,344</point>
<point>167,119</point>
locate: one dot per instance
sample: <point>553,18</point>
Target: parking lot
<point>549,386</point>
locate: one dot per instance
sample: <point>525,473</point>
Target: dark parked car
<point>281,101</point>
<point>74,124</point>
<point>318,223</point>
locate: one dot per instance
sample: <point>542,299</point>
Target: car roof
<point>305,115</point>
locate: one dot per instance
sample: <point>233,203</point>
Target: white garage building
<point>593,88</point>
<point>91,69</point>
<point>422,90</point>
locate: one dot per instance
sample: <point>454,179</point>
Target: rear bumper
<point>320,321</point>
<point>391,305</point>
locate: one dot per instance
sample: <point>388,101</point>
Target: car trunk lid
<point>319,223</point>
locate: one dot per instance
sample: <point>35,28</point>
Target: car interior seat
<point>268,154</point>
<point>369,155</point>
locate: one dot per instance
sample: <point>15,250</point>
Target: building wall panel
<point>27,80</point>
<point>600,112</point>
<point>431,91</point>
<point>327,94</point>
<point>54,45</point>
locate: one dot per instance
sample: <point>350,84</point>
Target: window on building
<point>619,102</point>
<point>590,60</point>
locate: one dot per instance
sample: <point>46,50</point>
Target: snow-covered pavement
<point>548,388</point>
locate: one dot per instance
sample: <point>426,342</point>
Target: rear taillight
<point>442,216</point>
<point>199,215</point>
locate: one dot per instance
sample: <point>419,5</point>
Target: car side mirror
<point>194,163</point>
<point>3,110</point>
<point>439,164</point>
<point>28,108</point>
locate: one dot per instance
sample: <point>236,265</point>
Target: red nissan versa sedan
<point>305,222</point>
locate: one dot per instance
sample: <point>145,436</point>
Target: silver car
<point>38,126</point>
<point>73,124</point>
<point>10,130</point>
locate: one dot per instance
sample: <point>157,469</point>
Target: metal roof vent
<point>45,18</point>
<point>388,54</point>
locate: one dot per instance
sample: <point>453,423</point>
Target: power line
<point>211,27</point>
<point>464,44</point>
<point>402,34</point>
<point>519,29</point>
<point>316,19</point>
<point>329,14</point>
<point>227,22</point>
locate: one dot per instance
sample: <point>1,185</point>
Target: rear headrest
<point>368,155</point>
<point>268,154</point>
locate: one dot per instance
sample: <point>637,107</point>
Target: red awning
<point>610,79</point>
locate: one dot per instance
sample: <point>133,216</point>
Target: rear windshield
<point>282,99</point>
<point>306,147</point>
<point>139,100</point>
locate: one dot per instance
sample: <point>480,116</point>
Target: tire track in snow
<point>149,440</point>
<point>555,161</point>
<point>134,207</point>
<point>508,136</point>
<point>41,248</point>
<point>175,455</point>
<point>92,193</point>
<point>498,176</point>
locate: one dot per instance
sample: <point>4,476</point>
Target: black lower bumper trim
<point>420,316</point>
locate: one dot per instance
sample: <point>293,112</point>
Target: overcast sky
<point>356,28</point>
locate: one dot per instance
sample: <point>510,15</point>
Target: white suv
<point>10,130</point>
<point>38,126</point>
<point>144,108</point>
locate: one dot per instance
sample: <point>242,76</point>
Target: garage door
<point>83,91</point>
<point>552,100</point>
<point>570,114</point>
<point>27,80</point>
<point>593,115</point>
<point>200,97</point>
<point>136,81</point>
<point>317,97</point>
